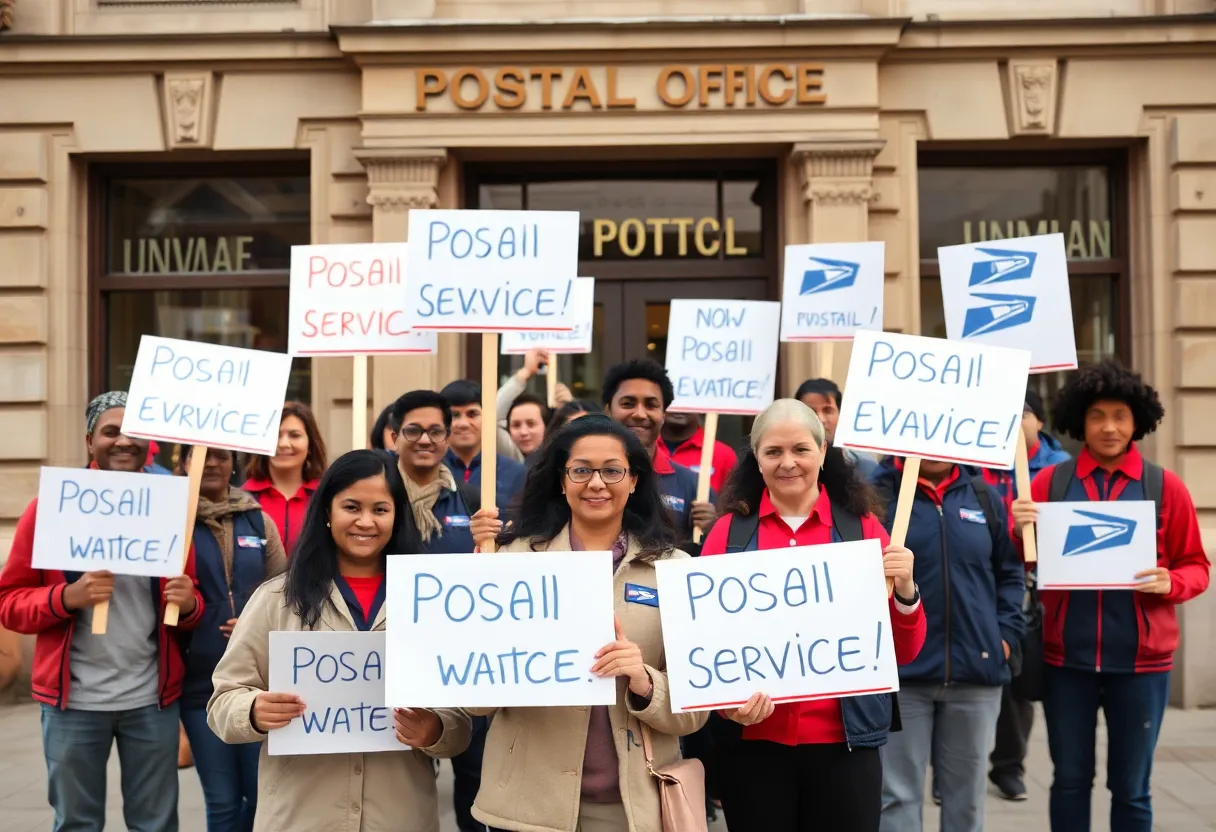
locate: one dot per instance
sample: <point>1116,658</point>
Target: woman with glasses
<point>236,548</point>
<point>593,488</point>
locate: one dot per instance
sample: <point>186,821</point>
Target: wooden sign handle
<point>827,352</point>
<point>101,617</point>
<point>198,458</point>
<point>489,424</point>
<point>707,465</point>
<point>1021,470</point>
<point>358,404</point>
<point>903,508</point>
<point>551,380</point>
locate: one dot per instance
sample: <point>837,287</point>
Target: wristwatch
<point>908,602</point>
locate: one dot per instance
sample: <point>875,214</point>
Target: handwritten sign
<point>127,523</point>
<point>340,677</point>
<point>808,622</point>
<point>577,340</point>
<point>949,400</point>
<point>514,629</point>
<point>722,355</point>
<point>1011,293</point>
<point>831,290</point>
<point>350,300</point>
<point>1096,545</point>
<point>206,394</point>
<point>492,271</point>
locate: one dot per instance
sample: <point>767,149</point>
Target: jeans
<point>77,746</point>
<point>466,768</point>
<point>229,774</point>
<point>1012,735</point>
<point>1134,705</point>
<point>954,723</point>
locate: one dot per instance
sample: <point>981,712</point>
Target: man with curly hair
<point>1112,649</point>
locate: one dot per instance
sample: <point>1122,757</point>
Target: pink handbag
<point>681,791</point>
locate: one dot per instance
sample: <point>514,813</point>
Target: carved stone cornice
<point>400,179</point>
<point>838,171</point>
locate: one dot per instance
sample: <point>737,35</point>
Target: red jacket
<point>287,514</point>
<point>688,454</point>
<point>31,602</point>
<point>1124,631</point>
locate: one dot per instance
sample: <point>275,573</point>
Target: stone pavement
<point>1184,782</point>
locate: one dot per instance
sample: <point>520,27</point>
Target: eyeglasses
<point>413,433</point>
<point>611,474</point>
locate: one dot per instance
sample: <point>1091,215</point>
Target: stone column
<point>837,185</point>
<point>400,179</point>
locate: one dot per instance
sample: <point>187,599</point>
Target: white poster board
<point>808,622</point>
<point>498,630</point>
<point>1096,545</point>
<point>350,300</point>
<point>576,341</point>
<point>722,355</point>
<point>1011,293</point>
<point>340,677</point>
<point>206,394</point>
<point>124,522</point>
<point>492,271</point>
<point>950,400</point>
<point>831,290</point>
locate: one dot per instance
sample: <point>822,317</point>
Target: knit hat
<point>99,405</point>
<point>1034,403</point>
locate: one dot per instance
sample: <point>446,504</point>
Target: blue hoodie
<point>1047,452</point>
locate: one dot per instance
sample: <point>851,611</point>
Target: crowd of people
<point>294,542</point>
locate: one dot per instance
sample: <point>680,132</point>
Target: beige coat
<point>323,792</point>
<point>531,774</point>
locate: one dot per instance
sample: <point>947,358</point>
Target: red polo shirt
<point>286,512</point>
<point>688,454</point>
<point>809,723</point>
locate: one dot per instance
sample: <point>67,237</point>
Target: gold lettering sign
<point>1082,241</point>
<point>635,237</point>
<point>678,86</point>
<point>174,255</point>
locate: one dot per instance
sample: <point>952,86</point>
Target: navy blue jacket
<point>508,477</point>
<point>453,515</point>
<point>206,642</point>
<point>971,580</point>
<point>678,486</point>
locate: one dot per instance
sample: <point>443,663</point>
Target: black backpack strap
<point>984,495</point>
<point>743,528</point>
<point>1061,476</point>
<point>1153,481</point>
<point>470,495</point>
<point>258,521</point>
<point>847,524</point>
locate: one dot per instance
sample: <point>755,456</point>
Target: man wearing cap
<point>97,689</point>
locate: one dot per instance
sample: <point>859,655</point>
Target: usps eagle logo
<point>1002,311</point>
<point>827,275</point>
<point>1002,266</point>
<point>1104,531</point>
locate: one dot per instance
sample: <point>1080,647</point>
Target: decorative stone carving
<point>1033,97</point>
<point>399,179</point>
<point>838,172</point>
<point>188,107</point>
<point>6,13</point>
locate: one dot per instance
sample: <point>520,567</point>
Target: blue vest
<point>206,642</point>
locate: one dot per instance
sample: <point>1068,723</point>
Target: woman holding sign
<point>236,548</point>
<point>592,489</point>
<point>806,765</point>
<point>335,583</point>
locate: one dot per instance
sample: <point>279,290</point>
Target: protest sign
<point>340,677</point>
<point>517,629</point>
<point>492,271</point>
<point>206,394</point>
<point>722,355</point>
<point>123,522</point>
<point>1096,545</point>
<point>577,340</point>
<point>350,300</point>
<point>949,400</point>
<point>831,290</point>
<point>808,622</point>
<point>1011,293</point>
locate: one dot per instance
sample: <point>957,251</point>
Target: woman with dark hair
<point>570,411</point>
<point>285,482</point>
<point>806,765</point>
<point>384,433</point>
<point>335,582</point>
<point>592,489</point>
<point>1112,649</point>
<point>236,549</point>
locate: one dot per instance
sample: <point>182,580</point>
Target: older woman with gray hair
<point>806,765</point>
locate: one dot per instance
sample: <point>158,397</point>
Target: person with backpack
<point>973,582</point>
<point>236,548</point>
<point>806,765</point>
<point>1112,649</point>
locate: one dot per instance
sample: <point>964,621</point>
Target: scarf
<point>217,517</point>
<point>423,499</point>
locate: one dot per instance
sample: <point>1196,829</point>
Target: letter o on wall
<point>632,250</point>
<point>457,88</point>
<point>664,81</point>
